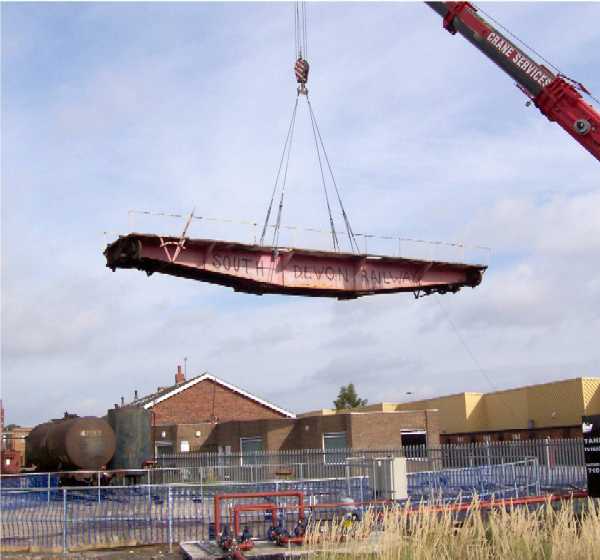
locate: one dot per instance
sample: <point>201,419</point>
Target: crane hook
<point>301,69</point>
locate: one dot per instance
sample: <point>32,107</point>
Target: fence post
<point>170,517</point>
<point>48,487</point>
<point>65,544</point>
<point>98,486</point>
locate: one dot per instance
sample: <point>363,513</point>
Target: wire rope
<point>284,182</point>
<point>301,70</point>
<point>334,238</point>
<point>470,353</point>
<point>285,145</point>
<point>350,233</point>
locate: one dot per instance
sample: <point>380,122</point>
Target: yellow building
<point>536,411</point>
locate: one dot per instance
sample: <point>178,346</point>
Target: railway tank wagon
<point>70,444</point>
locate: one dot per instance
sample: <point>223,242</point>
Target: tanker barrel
<point>73,443</point>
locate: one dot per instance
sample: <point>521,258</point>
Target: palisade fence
<point>174,502</point>
<point>561,462</point>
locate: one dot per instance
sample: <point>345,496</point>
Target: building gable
<point>208,399</point>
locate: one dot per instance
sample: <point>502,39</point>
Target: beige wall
<point>452,410</point>
<point>556,404</point>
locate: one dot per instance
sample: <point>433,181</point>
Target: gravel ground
<point>160,552</point>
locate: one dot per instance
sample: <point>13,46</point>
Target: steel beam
<point>257,269</point>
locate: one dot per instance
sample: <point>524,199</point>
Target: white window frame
<point>326,452</point>
<point>248,439</point>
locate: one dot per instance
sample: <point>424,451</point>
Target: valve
<point>225,539</point>
<point>300,528</point>
<point>245,540</point>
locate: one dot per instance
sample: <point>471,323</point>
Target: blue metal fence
<point>508,480</point>
<point>54,518</point>
<point>76,518</point>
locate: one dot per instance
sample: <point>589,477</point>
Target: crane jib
<point>461,17</point>
<point>554,95</point>
<point>536,72</point>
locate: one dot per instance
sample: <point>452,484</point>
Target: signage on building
<point>590,426</point>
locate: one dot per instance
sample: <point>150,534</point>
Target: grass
<point>403,533</point>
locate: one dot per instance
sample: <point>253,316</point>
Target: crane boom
<point>551,93</point>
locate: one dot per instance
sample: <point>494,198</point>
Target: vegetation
<point>347,398</point>
<point>547,533</point>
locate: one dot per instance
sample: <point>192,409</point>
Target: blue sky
<point>163,107</point>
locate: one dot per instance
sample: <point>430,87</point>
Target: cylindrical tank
<point>133,428</point>
<point>72,443</point>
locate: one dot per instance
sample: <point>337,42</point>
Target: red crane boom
<point>551,93</point>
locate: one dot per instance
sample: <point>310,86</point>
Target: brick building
<point>12,445</point>
<point>185,414</point>
<point>330,429</point>
<point>208,414</point>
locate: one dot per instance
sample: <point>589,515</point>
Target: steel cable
<point>351,238</point>
<point>283,184</point>
<point>331,222</point>
<point>285,145</point>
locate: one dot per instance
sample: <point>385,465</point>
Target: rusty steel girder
<point>257,269</point>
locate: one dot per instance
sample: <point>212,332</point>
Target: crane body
<point>551,93</point>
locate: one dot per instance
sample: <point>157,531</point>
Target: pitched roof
<point>153,399</point>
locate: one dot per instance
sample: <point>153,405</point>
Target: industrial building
<point>185,414</point>
<point>549,410</point>
<point>330,429</point>
<point>12,445</point>
<point>208,414</point>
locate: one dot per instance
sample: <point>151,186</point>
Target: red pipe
<point>252,507</point>
<point>220,497</point>
<point>488,504</point>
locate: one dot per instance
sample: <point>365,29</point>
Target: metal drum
<point>133,428</point>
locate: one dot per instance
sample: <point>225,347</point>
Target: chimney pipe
<point>135,395</point>
<point>179,376</point>
<point>122,401</point>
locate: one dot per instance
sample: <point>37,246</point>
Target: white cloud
<point>164,107</point>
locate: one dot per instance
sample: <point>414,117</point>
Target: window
<point>414,443</point>
<point>332,442</point>
<point>250,447</point>
<point>184,446</point>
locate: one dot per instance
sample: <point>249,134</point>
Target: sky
<point>112,107</point>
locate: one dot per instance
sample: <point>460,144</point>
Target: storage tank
<point>71,443</point>
<point>133,429</point>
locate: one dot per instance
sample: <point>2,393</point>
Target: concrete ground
<point>155,552</point>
